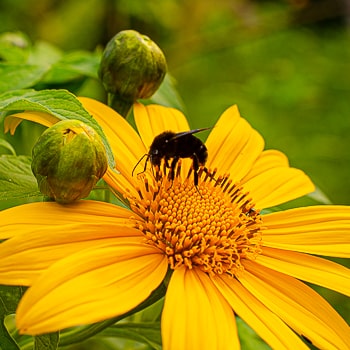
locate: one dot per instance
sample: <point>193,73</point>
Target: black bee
<point>173,145</point>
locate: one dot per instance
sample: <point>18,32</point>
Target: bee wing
<point>190,132</point>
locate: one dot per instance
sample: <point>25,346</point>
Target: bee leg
<point>195,165</point>
<point>144,168</point>
<point>210,174</point>
<point>172,168</point>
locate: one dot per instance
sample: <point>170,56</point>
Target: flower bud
<point>68,160</point>
<point>132,67</point>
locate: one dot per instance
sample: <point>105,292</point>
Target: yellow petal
<point>265,323</point>
<point>152,120</point>
<point>120,184</point>
<point>267,160</point>
<point>26,256</point>
<point>233,145</point>
<point>195,315</point>
<point>308,268</point>
<point>278,185</point>
<point>298,305</point>
<point>90,286</point>
<point>321,230</point>
<point>35,216</point>
<point>126,144</point>
<point>12,121</point>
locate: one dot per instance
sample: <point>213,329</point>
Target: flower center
<point>212,226</point>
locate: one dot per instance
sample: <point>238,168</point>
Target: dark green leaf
<point>6,341</point>
<point>60,103</point>
<point>9,298</point>
<point>16,178</point>
<point>46,341</point>
<point>19,76</point>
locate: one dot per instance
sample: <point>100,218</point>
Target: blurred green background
<point>285,63</point>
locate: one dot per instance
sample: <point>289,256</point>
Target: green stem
<point>120,105</point>
<point>80,334</point>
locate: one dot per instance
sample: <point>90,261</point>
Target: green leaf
<point>79,334</point>
<point>9,298</point>
<point>46,341</point>
<point>60,103</point>
<point>19,76</point>
<point>14,47</point>
<point>8,146</point>
<point>167,94</point>
<point>146,333</point>
<point>248,338</point>
<point>16,178</point>
<point>72,66</point>
<point>319,196</point>
<point>6,341</point>
<point>44,54</point>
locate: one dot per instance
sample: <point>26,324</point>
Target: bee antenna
<point>145,155</point>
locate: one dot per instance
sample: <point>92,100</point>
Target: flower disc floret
<point>213,226</point>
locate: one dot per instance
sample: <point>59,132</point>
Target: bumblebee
<point>170,145</point>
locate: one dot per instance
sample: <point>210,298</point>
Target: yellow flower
<point>90,261</point>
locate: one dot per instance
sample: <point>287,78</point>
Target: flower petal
<point>298,305</point>
<point>25,257</point>
<point>309,268</point>
<point>195,315</point>
<point>321,230</point>
<point>153,119</point>
<point>35,216</point>
<point>233,145</point>
<point>12,121</point>
<point>90,286</point>
<point>268,159</point>
<point>40,240</point>
<point>265,323</point>
<point>124,140</point>
<point>120,184</point>
<point>278,185</point>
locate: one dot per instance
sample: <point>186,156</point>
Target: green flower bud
<point>68,159</point>
<point>132,67</point>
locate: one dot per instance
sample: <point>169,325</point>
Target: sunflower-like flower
<point>90,261</point>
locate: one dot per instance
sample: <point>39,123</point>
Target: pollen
<point>212,226</point>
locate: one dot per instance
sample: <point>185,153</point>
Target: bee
<point>170,145</point>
